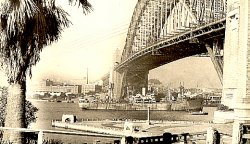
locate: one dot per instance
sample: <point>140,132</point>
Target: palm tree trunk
<point>15,112</point>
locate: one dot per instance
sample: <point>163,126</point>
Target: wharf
<point>115,128</point>
<point>145,129</point>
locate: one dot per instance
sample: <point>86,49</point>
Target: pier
<point>155,132</point>
<point>141,132</point>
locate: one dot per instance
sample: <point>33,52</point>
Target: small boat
<point>199,113</point>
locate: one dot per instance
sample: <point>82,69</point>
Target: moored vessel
<point>195,104</point>
<point>189,104</point>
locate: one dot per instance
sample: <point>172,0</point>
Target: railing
<point>210,136</point>
<point>39,133</point>
<point>92,120</point>
<point>168,138</point>
<point>245,131</point>
<point>113,132</point>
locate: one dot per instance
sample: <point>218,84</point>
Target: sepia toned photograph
<point>124,72</point>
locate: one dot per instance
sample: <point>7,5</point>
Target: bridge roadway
<point>187,43</point>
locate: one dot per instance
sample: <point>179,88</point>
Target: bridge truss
<point>156,20</point>
<point>162,31</point>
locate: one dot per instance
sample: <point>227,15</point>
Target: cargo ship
<point>187,104</point>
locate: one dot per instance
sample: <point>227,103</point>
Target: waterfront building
<point>50,86</point>
<point>86,88</point>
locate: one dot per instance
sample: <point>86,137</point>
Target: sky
<point>194,72</point>
<point>89,44</point>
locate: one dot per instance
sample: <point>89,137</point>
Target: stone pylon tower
<point>231,53</point>
<point>236,74</point>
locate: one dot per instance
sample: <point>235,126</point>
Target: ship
<point>182,102</point>
<point>188,104</point>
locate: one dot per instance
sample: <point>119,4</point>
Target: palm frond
<point>17,11</point>
<point>26,27</point>
<point>23,36</point>
<point>86,6</point>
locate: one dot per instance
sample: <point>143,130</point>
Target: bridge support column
<point>216,56</point>
<point>231,53</point>
<point>238,36</point>
<point>118,84</point>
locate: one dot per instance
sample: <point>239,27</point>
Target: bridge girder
<point>197,37</point>
<point>158,19</point>
<point>162,31</point>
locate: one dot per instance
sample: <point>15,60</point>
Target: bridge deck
<point>178,46</point>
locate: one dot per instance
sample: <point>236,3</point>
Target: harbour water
<point>51,110</point>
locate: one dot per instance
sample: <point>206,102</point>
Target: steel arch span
<point>162,31</point>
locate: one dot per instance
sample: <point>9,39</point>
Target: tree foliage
<point>26,27</point>
<point>154,81</point>
<point>30,110</point>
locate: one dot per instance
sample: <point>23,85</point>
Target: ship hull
<point>195,104</point>
<point>185,105</point>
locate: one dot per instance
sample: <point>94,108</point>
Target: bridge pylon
<point>118,83</point>
<point>236,73</point>
<point>129,83</point>
<point>216,55</point>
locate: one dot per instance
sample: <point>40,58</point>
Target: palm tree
<point>26,27</point>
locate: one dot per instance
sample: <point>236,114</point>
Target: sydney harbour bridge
<point>163,31</point>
